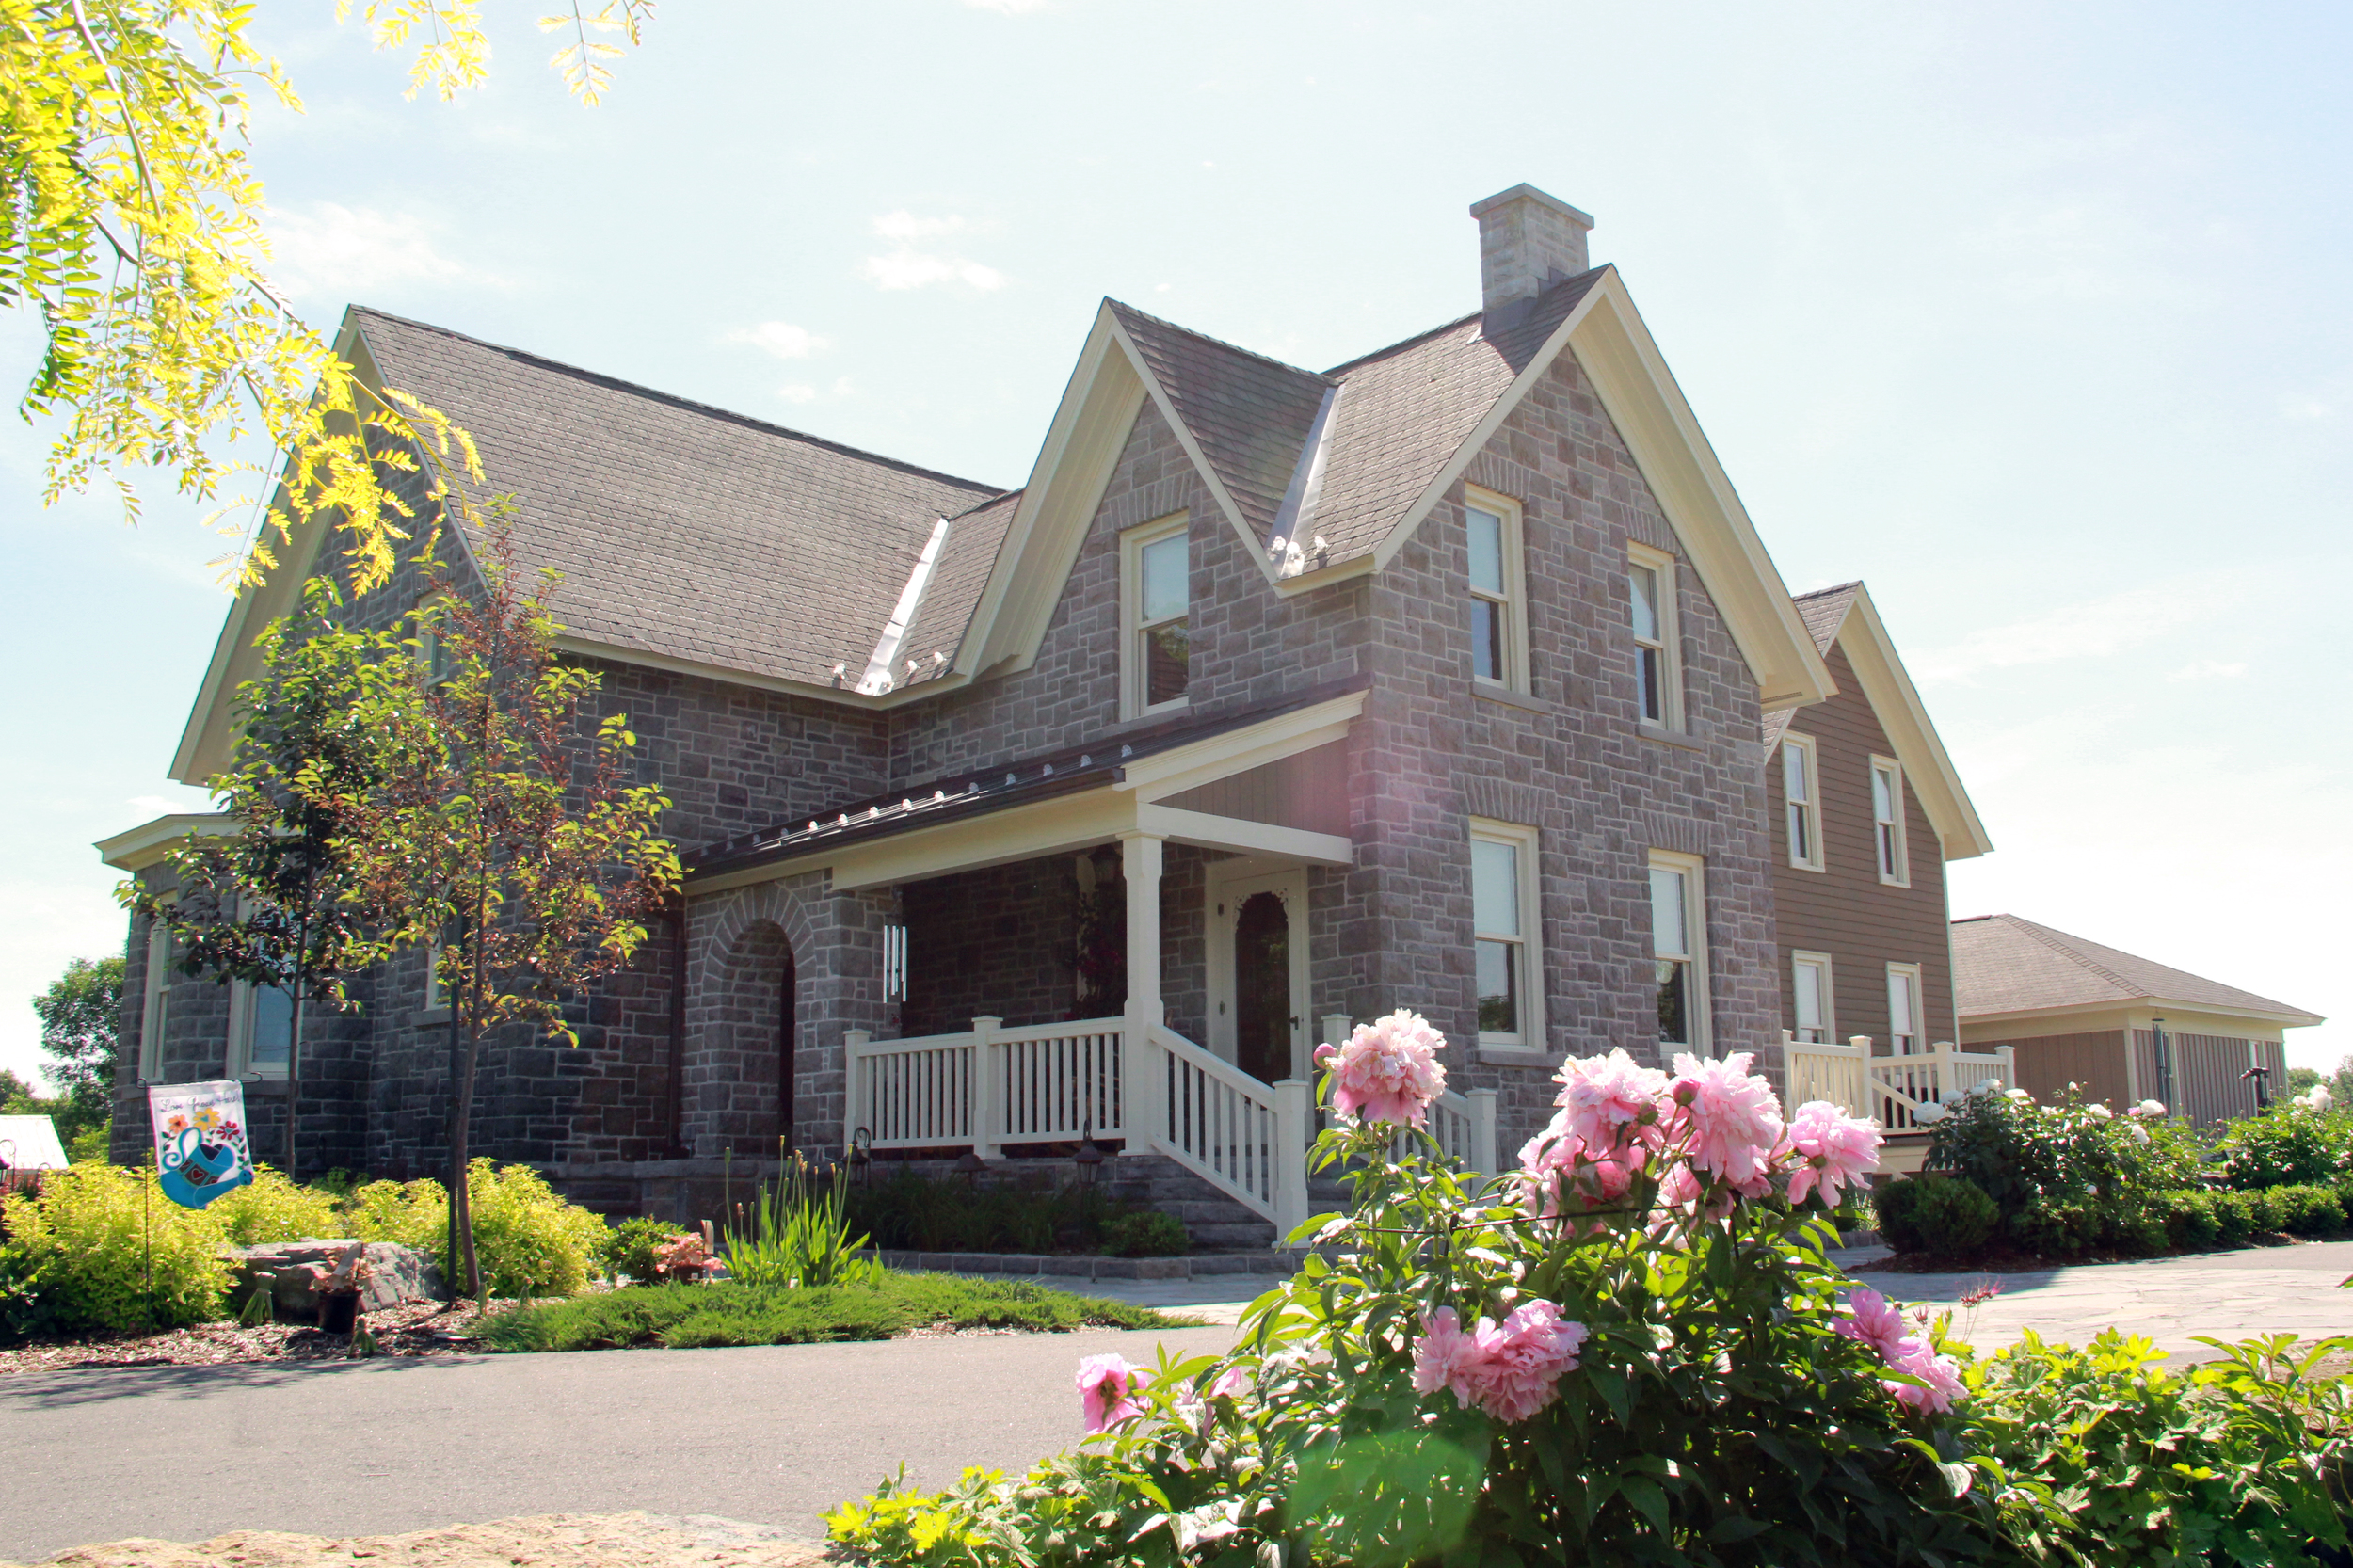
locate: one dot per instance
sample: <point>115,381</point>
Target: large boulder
<point>397,1274</point>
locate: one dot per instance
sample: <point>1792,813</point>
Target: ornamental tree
<point>132,222</point>
<point>279,901</point>
<point>502,837</point>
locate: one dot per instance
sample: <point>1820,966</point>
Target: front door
<point>1258,969</point>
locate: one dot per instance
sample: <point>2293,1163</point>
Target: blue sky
<point>2034,317</point>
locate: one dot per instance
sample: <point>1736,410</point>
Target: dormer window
<point>1499,622</point>
<point>1158,600</point>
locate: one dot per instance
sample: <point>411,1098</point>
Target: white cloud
<point>2091,629</point>
<point>783,338</point>
<point>344,251</point>
<point>2207,670</point>
<point>801,392</point>
<point>906,267</point>
<point>909,268</point>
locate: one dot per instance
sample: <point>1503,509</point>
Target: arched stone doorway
<point>744,1099</point>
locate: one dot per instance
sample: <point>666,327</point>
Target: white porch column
<point>853,1086</point>
<point>988,1090</point>
<point>1293,1100</point>
<point>1484,1158</point>
<point>1141,856</point>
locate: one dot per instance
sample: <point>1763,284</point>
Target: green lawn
<point>683,1315</point>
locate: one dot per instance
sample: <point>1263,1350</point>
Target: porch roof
<point>975,793</point>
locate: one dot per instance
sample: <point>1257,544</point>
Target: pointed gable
<point>1250,415</point>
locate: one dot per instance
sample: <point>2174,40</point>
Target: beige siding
<point>1843,909</point>
<point>2048,1064</point>
<point>2208,1087</point>
<point>1307,791</point>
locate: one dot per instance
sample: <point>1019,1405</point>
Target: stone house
<point>1445,679</point>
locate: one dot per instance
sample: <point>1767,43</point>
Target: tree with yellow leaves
<point>130,217</point>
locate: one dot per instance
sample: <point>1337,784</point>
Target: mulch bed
<point>413,1329</point>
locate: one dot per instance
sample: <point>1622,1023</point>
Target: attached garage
<point>2125,1029</point>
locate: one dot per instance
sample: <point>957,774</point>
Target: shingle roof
<point>2002,964</point>
<point>1824,611</point>
<point>1250,414</point>
<point>680,529</point>
<point>958,580</point>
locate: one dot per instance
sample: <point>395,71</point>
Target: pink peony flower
<point>1604,1099</point>
<point>1835,1151</point>
<point>1555,1162</point>
<point>1875,1321</point>
<point>1730,1114</point>
<point>1231,1384</point>
<point>1941,1373</point>
<point>1510,1369</point>
<point>2147,1108</point>
<point>1106,1385</point>
<point>1388,1071</point>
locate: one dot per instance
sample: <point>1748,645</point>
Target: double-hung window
<point>1499,622</point>
<point>1651,615</point>
<point>1678,944</point>
<point>155,1000</point>
<point>1887,822</point>
<point>436,988</point>
<point>260,1031</point>
<point>1157,590</point>
<point>1903,1009</point>
<point>1505,924</point>
<point>1810,998</point>
<point>1800,794</point>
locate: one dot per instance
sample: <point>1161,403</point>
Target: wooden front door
<point>1258,969</point>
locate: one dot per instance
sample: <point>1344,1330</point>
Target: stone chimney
<point>1526,240</point>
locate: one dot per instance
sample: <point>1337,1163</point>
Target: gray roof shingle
<point>1824,611</point>
<point>2002,964</point>
<point>680,529</point>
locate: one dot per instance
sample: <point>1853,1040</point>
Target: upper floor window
<point>433,654</point>
<point>1157,572</point>
<point>156,1000</point>
<point>436,988</point>
<point>1651,611</point>
<point>1801,790</point>
<point>1504,923</point>
<point>1678,945</point>
<point>1903,1009</point>
<point>1810,998</point>
<point>1887,822</point>
<point>1498,593</point>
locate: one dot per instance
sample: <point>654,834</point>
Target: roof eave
<point>2287,1019</point>
<point>1895,702</point>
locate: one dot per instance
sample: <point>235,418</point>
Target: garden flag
<point>201,1147</point>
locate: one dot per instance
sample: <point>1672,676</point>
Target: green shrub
<point>2049,1228</point>
<point>2242,1460</point>
<point>413,1213</point>
<point>2190,1220</point>
<point>1147,1233</point>
<point>2137,1228</point>
<point>529,1241</point>
<point>2308,1210</point>
<point>272,1208</point>
<point>2287,1145</point>
<point>2068,1151</point>
<point>103,1249</point>
<point>1941,1215</point>
<point>627,1251</point>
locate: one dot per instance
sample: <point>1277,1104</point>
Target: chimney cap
<point>1528,192</point>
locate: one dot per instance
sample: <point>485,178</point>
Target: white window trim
<point>155,1000</point>
<point>1804,744</point>
<point>240,1063</point>
<point>435,1008</point>
<point>1919,1007</point>
<point>1514,599</point>
<point>1670,639</point>
<point>428,616</point>
<point>1902,846</point>
<point>1694,869</point>
<point>1530,1042</point>
<point>1132,673</point>
<point>1799,958</point>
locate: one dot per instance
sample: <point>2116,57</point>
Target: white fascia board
<point>2161,1005</point>
<point>1206,831</point>
<point>1204,761</point>
<point>1084,441</point>
<point>137,848</point>
<point>1895,702</point>
<point>1049,826</point>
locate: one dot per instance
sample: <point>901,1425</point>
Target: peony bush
<point>1630,1348</point>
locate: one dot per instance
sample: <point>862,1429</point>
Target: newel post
<point>988,1090</point>
<point>1947,1070</point>
<point>1483,1156</point>
<point>2009,1065</point>
<point>853,1084</point>
<point>1292,1099</point>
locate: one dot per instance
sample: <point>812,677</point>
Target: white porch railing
<point>1890,1088</point>
<point>983,1090</point>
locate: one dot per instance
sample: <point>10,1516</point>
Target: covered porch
<point>1893,1090</point>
